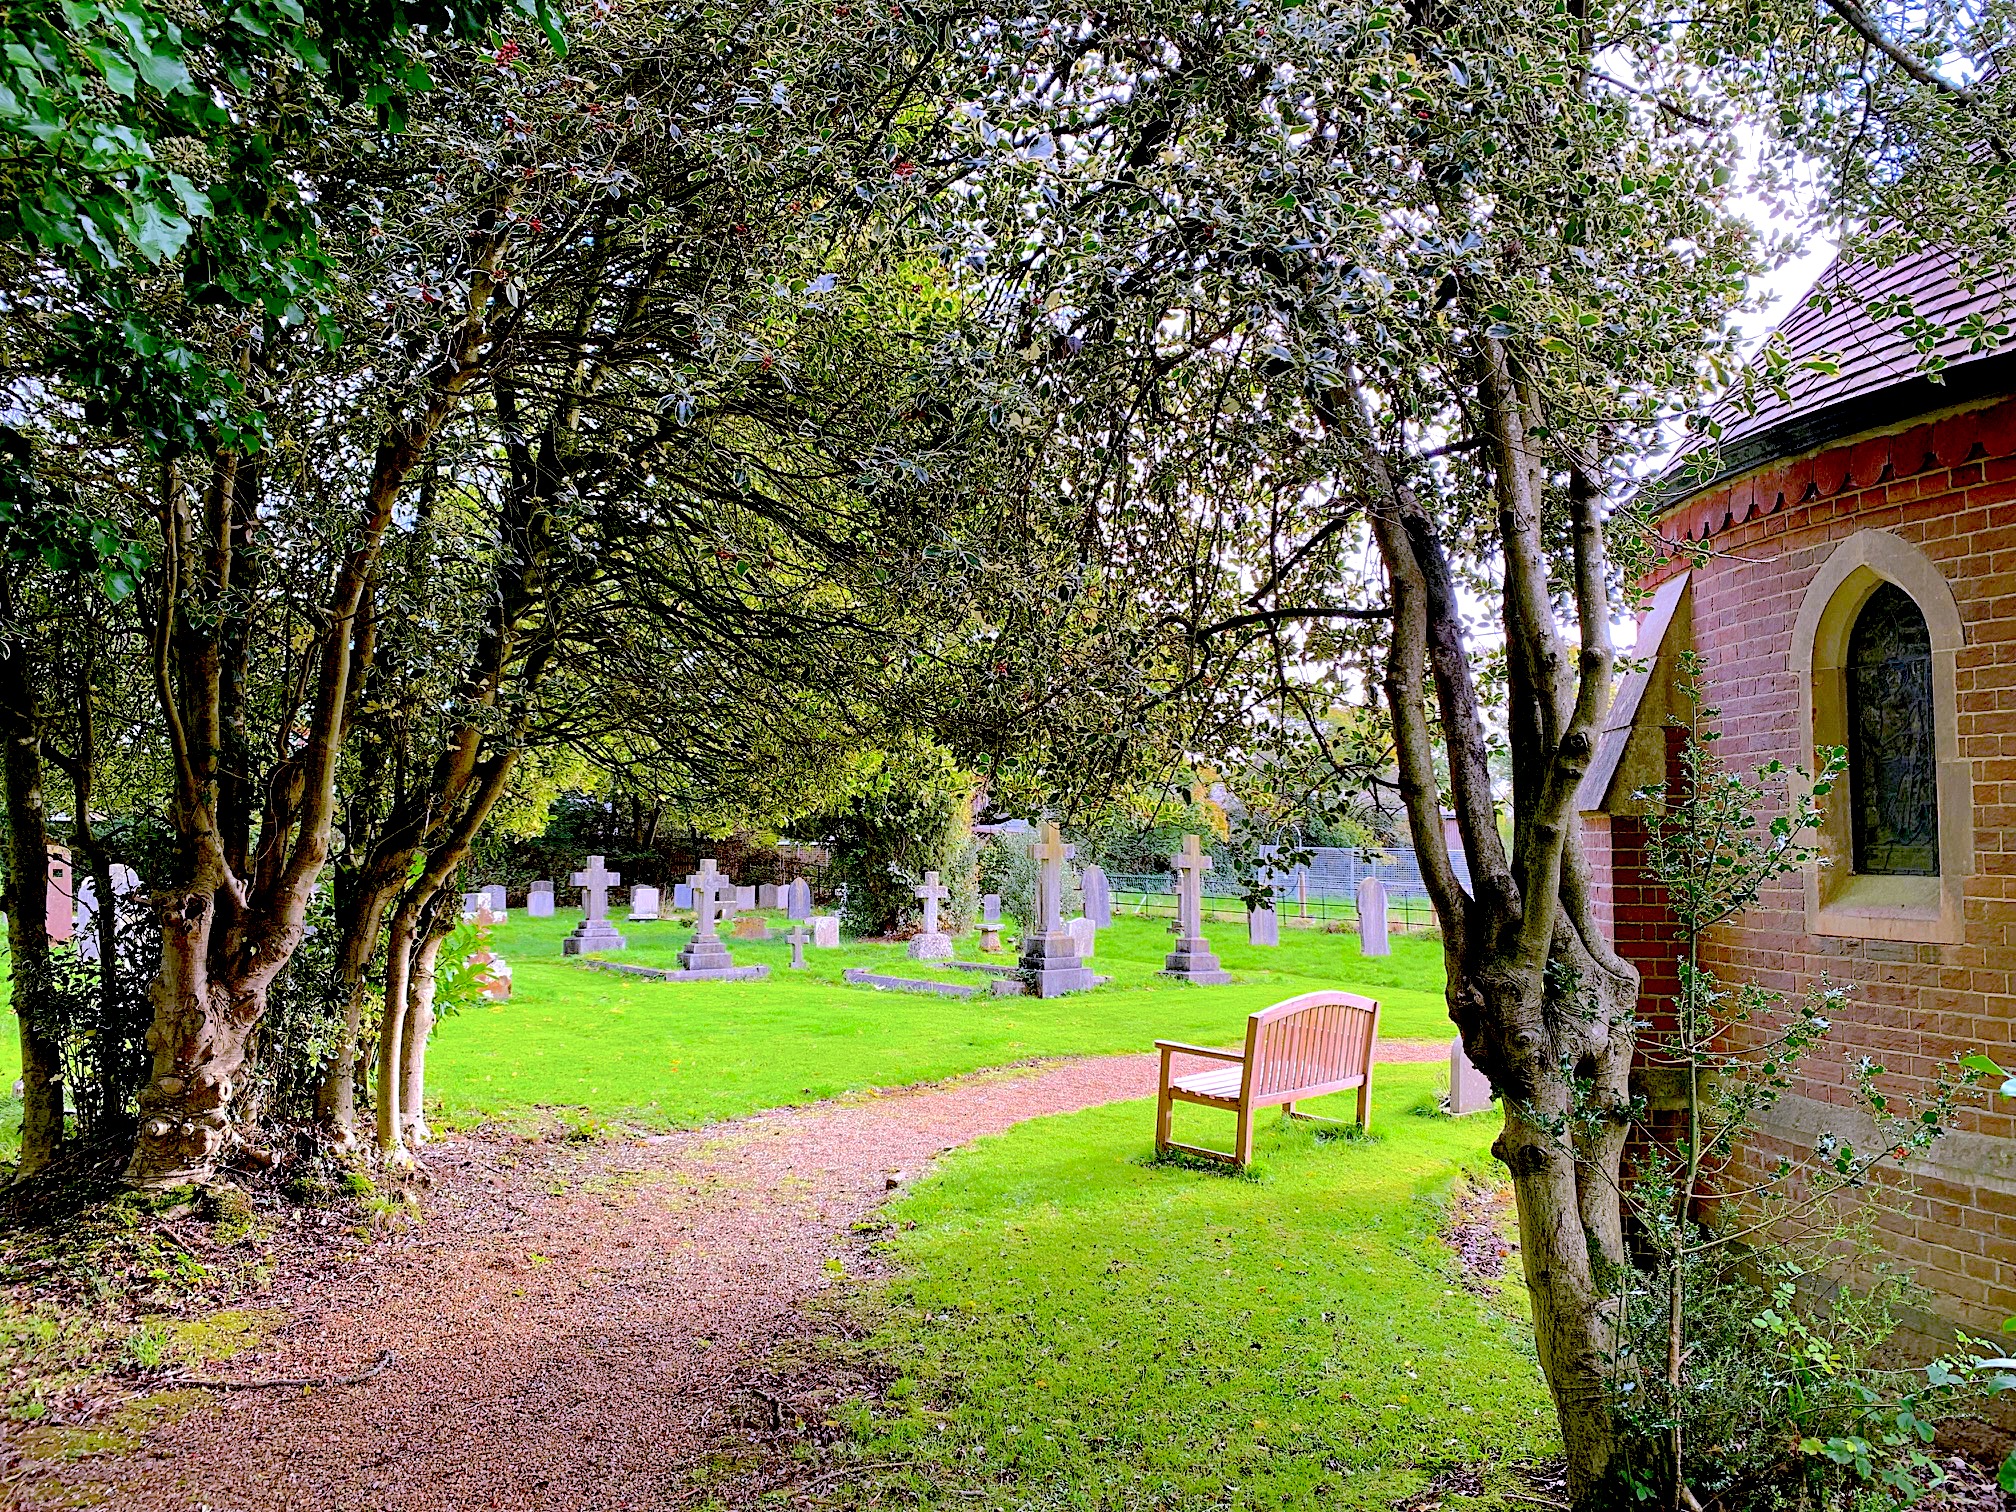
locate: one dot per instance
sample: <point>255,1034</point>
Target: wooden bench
<point>1308,1046</point>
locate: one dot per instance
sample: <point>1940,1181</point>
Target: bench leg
<point>1288,1108</point>
<point>1365,1102</point>
<point>1164,1108</point>
<point>1244,1147</point>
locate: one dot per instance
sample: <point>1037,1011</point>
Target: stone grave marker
<point>497,900</point>
<point>990,922</point>
<point>749,927</point>
<point>1098,897</point>
<point>769,895</point>
<point>705,952</point>
<point>682,895</point>
<point>798,899</point>
<point>825,931</point>
<point>539,901</point>
<point>1085,935</point>
<point>472,904</point>
<point>745,898</point>
<point>493,973</point>
<point>1469,1088</point>
<point>1192,960</point>
<point>931,943</point>
<point>125,884</point>
<point>798,938</point>
<point>643,904</point>
<point>1372,939</point>
<point>594,932</point>
<point>1263,927</point>
<point>1051,965</point>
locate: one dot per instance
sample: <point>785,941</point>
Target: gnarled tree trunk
<point>27,903</point>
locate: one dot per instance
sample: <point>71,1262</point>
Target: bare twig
<point>378,1368</point>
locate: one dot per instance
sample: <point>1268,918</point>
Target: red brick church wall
<point>1949,487</point>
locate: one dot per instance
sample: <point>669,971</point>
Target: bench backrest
<point>1320,1039</point>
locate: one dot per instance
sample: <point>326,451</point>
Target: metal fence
<point>1328,889</point>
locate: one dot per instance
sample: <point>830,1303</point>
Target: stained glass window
<point>1892,764</point>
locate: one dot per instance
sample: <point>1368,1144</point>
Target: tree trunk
<point>419,1025</point>
<point>362,921</point>
<point>27,904</point>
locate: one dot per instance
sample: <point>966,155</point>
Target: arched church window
<point>1893,774</point>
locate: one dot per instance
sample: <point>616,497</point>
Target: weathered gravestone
<point>931,943</point>
<point>745,898</point>
<point>1098,897</point>
<point>1192,960</point>
<point>705,952</point>
<point>125,884</point>
<point>749,927</point>
<point>682,895</point>
<point>798,938</point>
<point>539,901</point>
<point>1085,935</point>
<point>990,922</point>
<point>594,932</point>
<point>643,904</point>
<point>1469,1088</point>
<point>798,899</point>
<point>1051,965</point>
<point>1372,918</point>
<point>497,900</point>
<point>1263,927</point>
<point>825,931</point>
<point>769,895</point>
<point>472,904</point>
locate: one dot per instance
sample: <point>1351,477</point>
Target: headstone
<point>125,883</point>
<point>825,931</point>
<point>798,938</point>
<point>486,916</point>
<point>705,952</point>
<point>1051,965</point>
<point>682,895</point>
<point>1372,939</point>
<point>1192,960</point>
<point>990,922</point>
<point>745,898</point>
<point>594,932</point>
<point>1085,935</point>
<point>931,943</point>
<point>1098,897</point>
<point>539,901</point>
<point>1263,927</point>
<point>472,904</point>
<point>749,927</point>
<point>798,899</point>
<point>62,896</point>
<point>643,904</point>
<point>1469,1088</point>
<point>769,895</point>
<point>498,901</point>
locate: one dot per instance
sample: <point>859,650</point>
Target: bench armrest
<point>1237,1057</point>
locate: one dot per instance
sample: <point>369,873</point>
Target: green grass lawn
<point>663,1053</point>
<point>1074,1326</point>
<point>666,1054</point>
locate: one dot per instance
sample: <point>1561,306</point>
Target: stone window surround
<point>1838,901</point>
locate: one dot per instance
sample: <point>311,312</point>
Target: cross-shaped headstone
<point>1191,863</point>
<point>932,894</point>
<point>799,939</point>
<point>595,883</point>
<point>708,884</point>
<point>1051,853</point>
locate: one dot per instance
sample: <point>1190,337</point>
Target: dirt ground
<point>578,1327</point>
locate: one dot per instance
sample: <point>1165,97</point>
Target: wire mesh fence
<point>1326,890</point>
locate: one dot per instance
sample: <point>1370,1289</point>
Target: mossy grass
<point>1073,1325</point>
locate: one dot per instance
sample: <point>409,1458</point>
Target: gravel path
<point>578,1327</point>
